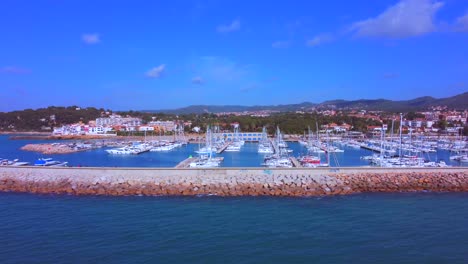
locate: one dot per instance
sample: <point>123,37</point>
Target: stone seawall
<point>230,181</point>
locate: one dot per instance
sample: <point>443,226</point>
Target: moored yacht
<point>49,162</point>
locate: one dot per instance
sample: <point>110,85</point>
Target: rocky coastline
<point>229,182</point>
<point>52,148</point>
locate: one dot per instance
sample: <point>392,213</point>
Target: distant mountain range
<point>421,103</point>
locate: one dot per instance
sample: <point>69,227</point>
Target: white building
<point>145,128</point>
<point>95,130</point>
<point>165,125</point>
<point>117,120</point>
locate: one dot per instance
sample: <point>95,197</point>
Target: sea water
<point>364,228</point>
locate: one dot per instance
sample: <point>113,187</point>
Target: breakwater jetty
<point>56,148</point>
<point>230,181</point>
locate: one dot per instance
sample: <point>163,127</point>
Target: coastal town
<point>436,121</point>
<point>411,139</point>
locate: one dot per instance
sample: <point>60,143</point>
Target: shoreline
<point>37,133</point>
<point>229,181</point>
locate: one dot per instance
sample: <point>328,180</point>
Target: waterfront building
<point>146,128</point>
<point>80,129</point>
<point>116,120</point>
<point>247,136</point>
<point>163,125</point>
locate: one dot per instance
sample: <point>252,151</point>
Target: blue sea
<point>247,157</point>
<point>365,228</point>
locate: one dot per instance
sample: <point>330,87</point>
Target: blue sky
<point>168,54</point>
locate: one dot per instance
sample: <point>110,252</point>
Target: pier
<point>295,162</point>
<point>223,148</point>
<point>375,149</point>
<point>275,147</point>
<point>321,147</point>
<point>185,163</point>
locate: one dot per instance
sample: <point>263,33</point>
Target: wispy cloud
<point>407,18</point>
<point>91,39</point>
<point>221,69</point>
<point>319,40</point>
<point>198,80</point>
<point>234,26</point>
<point>461,24</point>
<point>280,44</point>
<point>156,72</point>
<point>14,70</point>
<point>390,75</point>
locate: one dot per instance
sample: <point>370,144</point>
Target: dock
<point>321,147</point>
<point>295,162</point>
<point>375,149</point>
<point>186,163</point>
<point>275,147</point>
<point>223,148</point>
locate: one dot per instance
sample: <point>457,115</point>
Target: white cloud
<point>462,23</point>
<point>197,80</point>
<point>319,40</point>
<point>156,72</point>
<point>234,26</point>
<point>407,18</point>
<point>280,44</point>
<point>91,38</point>
<point>14,70</point>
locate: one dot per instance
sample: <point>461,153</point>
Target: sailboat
<point>237,143</point>
<point>206,159</point>
<point>264,145</point>
<point>279,159</point>
<point>312,158</point>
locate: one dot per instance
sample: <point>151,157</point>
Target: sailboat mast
<point>391,134</point>
<point>381,145</point>
<point>401,126</point>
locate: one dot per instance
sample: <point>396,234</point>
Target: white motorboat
<point>233,148</point>
<point>49,162</point>
<point>15,162</point>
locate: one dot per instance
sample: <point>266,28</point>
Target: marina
<point>250,154</point>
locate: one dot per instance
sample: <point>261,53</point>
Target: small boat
<point>206,162</point>
<point>281,162</point>
<point>233,148</point>
<point>162,148</point>
<point>49,162</point>
<point>128,150</point>
<point>309,159</point>
<point>265,150</point>
<point>206,150</point>
<point>15,162</point>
